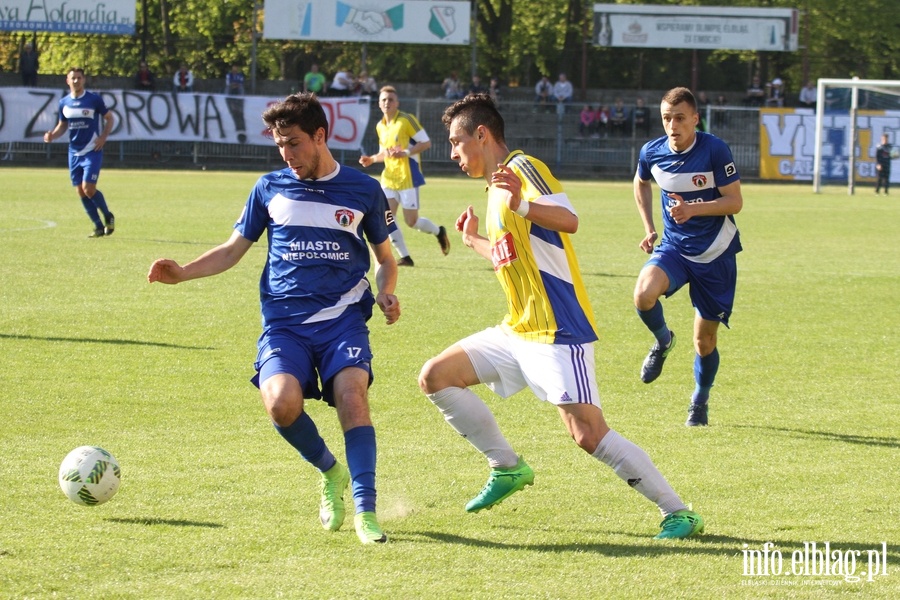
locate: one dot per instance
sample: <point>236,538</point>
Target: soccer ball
<point>895,152</point>
<point>89,475</point>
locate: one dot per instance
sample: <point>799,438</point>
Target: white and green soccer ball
<point>89,475</point>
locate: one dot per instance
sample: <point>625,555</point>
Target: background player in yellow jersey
<point>400,136</point>
<point>545,342</point>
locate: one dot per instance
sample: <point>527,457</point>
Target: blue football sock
<point>100,202</point>
<point>360,445</point>
<point>304,436</point>
<point>705,369</point>
<point>92,213</point>
<point>656,323</point>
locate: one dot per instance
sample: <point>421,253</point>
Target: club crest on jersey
<point>503,251</point>
<point>699,180</point>
<point>344,217</point>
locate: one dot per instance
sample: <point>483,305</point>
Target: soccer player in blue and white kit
<point>315,299</point>
<point>700,191</point>
<point>82,112</point>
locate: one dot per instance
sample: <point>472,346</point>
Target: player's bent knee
<point>432,377</point>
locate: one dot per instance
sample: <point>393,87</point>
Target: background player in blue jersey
<point>546,340</point>
<point>82,113</point>
<point>315,299</point>
<point>700,191</point>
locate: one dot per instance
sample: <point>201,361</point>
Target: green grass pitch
<point>803,445</point>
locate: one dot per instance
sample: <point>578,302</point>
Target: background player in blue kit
<point>82,112</point>
<point>315,299</point>
<point>700,193</point>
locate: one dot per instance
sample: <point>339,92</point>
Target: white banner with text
<point>26,113</point>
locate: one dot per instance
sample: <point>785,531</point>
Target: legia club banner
<point>27,113</point>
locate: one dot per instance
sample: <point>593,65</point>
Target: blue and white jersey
<point>696,175</point>
<point>317,231</point>
<point>84,116</point>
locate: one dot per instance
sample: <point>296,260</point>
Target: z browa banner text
<point>26,113</point>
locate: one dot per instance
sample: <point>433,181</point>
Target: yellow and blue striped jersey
<point>537,267</point>
<point>405,127</point>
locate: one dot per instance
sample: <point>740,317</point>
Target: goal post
<point>839,102</point>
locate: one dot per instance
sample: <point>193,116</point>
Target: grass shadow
<point>82,340</point>
<point>887,442</point>
<point>173,522</point>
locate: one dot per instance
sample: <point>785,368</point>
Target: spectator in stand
<point>703,103</point>
<point>641,116</point>
<point>234,81</point>
<point>808,96</point>
<point>562,92</point>
<point>494,90</point>
<point>366,84</point>
<point>144,78</point>
<point>543,92</point>
<point>183,81</point>
<point>619,116</point>
<point>719,116</point>
<point>756,95</point>
<point>475,87</point>
<point>342,84</point>
<point>28,65</point>
<point>775,93</point>
<point>452,87</point>
<point>601,121</point>
<point>314,81</point>
<point>586,121</point>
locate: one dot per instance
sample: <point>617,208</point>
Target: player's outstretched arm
<point>386,280</point>
<point>215,261</point>
<point>643,197</point>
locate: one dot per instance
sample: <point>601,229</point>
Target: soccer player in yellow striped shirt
<point>545,342</point>
<point>400,138</point>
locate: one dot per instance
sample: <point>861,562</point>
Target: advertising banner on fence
<point>787,139</point>
<point>26,113</point>
<point>115,17</point>
<point>388,21</point>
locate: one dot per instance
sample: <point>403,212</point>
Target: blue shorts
<point>85,169</point>
<point>315,353</point>
<point>712,285</point>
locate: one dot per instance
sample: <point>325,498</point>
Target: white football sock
<point>633,465</point>
<point>472,419</point>
<point>399,243</point>
<point>426,226</point>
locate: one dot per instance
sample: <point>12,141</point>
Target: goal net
<point>853,115</point>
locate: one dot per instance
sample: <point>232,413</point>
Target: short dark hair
<point>302,110</point>
<point>75,69</point>
<point>475,110</point>
<point>678,95</point>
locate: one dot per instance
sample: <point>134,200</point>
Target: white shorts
<point>558,373</point>
<point>408,198</point>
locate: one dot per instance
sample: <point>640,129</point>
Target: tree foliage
<point>516,40</point>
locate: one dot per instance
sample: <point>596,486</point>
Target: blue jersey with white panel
<point>696,174</point>
<point>317,253</point>
<point>84,117</point>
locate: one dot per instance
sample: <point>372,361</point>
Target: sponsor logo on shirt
<point>503,251</point>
